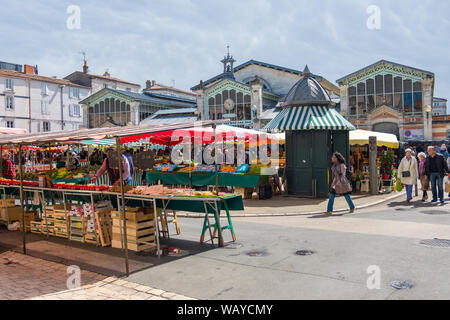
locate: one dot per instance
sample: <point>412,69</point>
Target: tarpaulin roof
<point>93,134</point>
<point>361,137</point>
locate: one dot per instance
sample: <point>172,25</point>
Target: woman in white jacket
<point>408,173</point>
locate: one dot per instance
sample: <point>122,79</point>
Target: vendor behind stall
<point>72,161</point>
<point>9,169</point>
<point>114,174</point>
<point>97,157</point>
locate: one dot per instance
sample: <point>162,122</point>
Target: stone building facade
<point>243,94</point>
<point>393,98</point>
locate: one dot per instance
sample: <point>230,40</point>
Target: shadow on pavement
<point>107,261</point>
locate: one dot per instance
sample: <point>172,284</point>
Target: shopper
<point>448,166</point>
<point>444,151</point>
<point>340,184</point>
<point>408,173</point>
<point>114,174</point>
<point>425,184</point>
<point>9,169</point>
<point>435,169</point>
<point>97,158</point>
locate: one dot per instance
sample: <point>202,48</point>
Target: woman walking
<point>340,184</point>
<point>425,184</point>
<point>408,173</point>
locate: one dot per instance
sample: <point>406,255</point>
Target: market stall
<point>72,211</point>
<point>359,159</point>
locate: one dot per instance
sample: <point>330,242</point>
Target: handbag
<point>407,174</point>
<point>447,187</point>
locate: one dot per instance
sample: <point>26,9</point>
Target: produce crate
<point>140,228</point>
<point>11,214</point>
<point>29,216</point>
<point>8,202</point>
<point>246,193</point>
<point>36,227</point>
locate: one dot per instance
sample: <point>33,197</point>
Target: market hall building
<point>248,94</point>
<point>393,98</point>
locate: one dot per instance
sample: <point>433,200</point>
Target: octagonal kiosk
<point>314,130</point>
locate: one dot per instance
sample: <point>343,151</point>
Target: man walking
<point>435,169</point>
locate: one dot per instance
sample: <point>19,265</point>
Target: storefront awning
<point>361,137</point>
<point>309,118</point>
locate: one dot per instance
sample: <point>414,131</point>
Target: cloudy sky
<point>184,40</point>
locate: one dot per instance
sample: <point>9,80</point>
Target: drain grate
<point>304,252</point>
<point>233,246</point>
<point>441,243</point>
<point>401,284</point>
<point>256,253</point>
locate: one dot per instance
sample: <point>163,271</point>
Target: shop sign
<point>413,134</point>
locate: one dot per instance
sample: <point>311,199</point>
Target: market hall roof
<point>254,62</point>
<point>309,118</point>
<point>383,64</point>
<point>143,97</point>
<point>307,91</point>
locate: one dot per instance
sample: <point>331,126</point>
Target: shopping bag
<point>447,187</point>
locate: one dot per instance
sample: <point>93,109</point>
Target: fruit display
<point>166,167</point>
<point>206,168</point>
<point>228,168</point>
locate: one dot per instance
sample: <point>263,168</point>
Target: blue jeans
<point>437,181</point>
<point>331,202</point>
<point>409,189</point>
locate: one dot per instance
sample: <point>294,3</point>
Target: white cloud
<point>184,40</point>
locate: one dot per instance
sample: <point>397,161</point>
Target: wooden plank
<point>133,246</point>
<point>138,233</point>
<point>135,226</point>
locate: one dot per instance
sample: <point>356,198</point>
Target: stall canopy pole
<point>122,208</point>
<point>1,161</point>
<point>215,160</point>
<point>21,199</point>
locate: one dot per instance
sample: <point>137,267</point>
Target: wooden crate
<point>104,226</point>
<point>8,202</point>
<point>11,214</point>
<point>140,228</point>
<point>29,216</point>
<point>36,227</point>
<point>246,193</point>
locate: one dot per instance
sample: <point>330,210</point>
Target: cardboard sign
<point>144,160</point>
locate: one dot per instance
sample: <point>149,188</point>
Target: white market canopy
<point>361,137</point>
<point>64,137</point>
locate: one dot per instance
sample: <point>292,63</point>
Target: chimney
<point>106,74</point>
<point>153,83</point>
<point>29,69</point>
<point>148,84</point>
<point>85,67</point>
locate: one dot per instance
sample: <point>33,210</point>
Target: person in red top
<point>9,169</point>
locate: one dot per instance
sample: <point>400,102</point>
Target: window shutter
<point>71,110</point>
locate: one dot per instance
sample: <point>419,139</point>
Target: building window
<point>10,124</point>
<point>74,92</point>
<point>9,84</point>
<point>9,102</point>
<point>74,110</point>
<point>44,107</point>
<point>45,126</point>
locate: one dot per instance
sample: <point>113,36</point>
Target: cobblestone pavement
<point>26,277</point>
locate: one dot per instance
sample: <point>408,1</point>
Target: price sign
<point>144,160</point>
<point>113,160</point>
